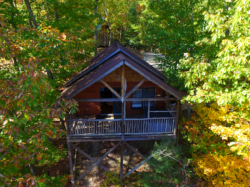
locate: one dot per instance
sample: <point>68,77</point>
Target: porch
<point>151,123</point>
<point>113,127</point>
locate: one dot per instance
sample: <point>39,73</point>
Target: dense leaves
<point>220,76</point>
<point>42,44</point>
<point>206,51</point>
<point>170,27</point>
<point>171,166</point>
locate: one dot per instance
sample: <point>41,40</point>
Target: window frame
<point>143,93</point>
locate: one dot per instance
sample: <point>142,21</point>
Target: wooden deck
<point>113,127</point>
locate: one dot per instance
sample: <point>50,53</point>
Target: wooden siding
<point>93,91</point>
<point>130,75</point>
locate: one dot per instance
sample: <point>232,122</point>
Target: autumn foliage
<point>217,77</point>
<point>37,54</point>
<point>220,153</point>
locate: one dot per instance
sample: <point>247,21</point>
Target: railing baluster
<point>77,131</point>
<point>162,125</point>
<point>132,126</point>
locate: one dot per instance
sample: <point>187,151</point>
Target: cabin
<point>121,98</point>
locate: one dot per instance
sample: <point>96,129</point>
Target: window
<point>137,94</point>
<point>110,107</point>
<point>147,92</point>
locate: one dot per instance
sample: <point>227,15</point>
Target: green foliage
<point>171,27</point>
<point>35,59</point>
<point>218,75</point>
<point>113,179</point>
<point>221,73</point>
<point>170,166</point>
<point>27,110</point>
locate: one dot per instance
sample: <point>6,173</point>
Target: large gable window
<point>147,92</point>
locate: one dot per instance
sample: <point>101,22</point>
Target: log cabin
<point>121,98</point>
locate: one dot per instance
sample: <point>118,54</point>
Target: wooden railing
<point>114,126</point>
<point>94,126</point>
<point>149,126</point>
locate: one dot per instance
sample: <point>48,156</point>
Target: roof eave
<point>103,60</point>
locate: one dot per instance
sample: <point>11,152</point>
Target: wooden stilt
<point>98,162</point>
<point>70,164</point>
<point>136,167</point>
<point>121,164</point>
<point>89,157</point>
<point>133,149</point>
<point>74,167</point>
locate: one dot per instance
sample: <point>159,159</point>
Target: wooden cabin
<point>121,98</point>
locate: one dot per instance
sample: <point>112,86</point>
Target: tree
<point>171,166</point>
<point>171,27</point>
<point>42,44</point>
<point>116,16</point>
<point>218,76</point>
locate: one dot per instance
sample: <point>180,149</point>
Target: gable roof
<point>107,61</point>
<point>107,53</point>
<point>95,75</point>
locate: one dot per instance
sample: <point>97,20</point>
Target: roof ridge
<point>110,51</point>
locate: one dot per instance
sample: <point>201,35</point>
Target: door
<point>110,107</point>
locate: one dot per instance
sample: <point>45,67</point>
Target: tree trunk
<point>32,17</point>
<point>49,74</point>
<point>96,30</point>
<point>27,3</point>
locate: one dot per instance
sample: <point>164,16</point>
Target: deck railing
<point>95,126</point>
<point>114,126</point>
<point>149,126</point>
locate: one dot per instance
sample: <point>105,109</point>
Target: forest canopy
<point>205,44</point>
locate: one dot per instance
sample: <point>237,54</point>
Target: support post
<point>121,164</point>
<point>70,164</point>
<point>123,116</point>
<point>89,157</point>
<point>148,109</point>
<point>122,99</point>
<point>177,116</point>
<point>67,124</point>
<point>136,167</point>
<point>74,166</point>
<point>98,162</point>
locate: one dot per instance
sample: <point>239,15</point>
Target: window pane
<point>137,94</point>
<point>136,104</point>
<point>149,92</point>
<point>152,104</point>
